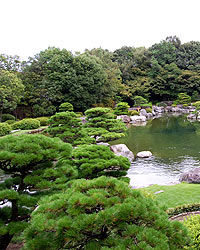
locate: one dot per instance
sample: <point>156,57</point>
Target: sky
<point>30,26</point>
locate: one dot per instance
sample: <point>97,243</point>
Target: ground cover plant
<point>176,195</point>
<point>103,213</point>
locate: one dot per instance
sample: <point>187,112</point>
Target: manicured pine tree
<point>92,161</point>
<point>68,127</point>
<point>103,214</point>
<point>24,160</point>
<point>103,125</point>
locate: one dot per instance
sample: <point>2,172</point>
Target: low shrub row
<point>183,209</point>
<point>4,129</point>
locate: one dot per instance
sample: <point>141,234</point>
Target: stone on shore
<point>192,176</point>
<point>144,154</point>
<point>138,118</point>
<point>124,118</point>
<point>122,150</point>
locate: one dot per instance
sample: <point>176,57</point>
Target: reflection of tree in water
<point>172,124</point>
<point>196,124</point>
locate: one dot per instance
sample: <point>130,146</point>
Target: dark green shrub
<point>93,161</point>
<point>44,121</point>
<point>183,209</point>
<point>149,110</point>
<point>28,123</point>
<point>147,105</point>
<point>103,125</point>
<point>25,159</point>
<point>183,98</point>
<point>6,117</point>
<point>122,108</point>
<point>139,101</point>
<point>66,106</point>
<point>197,105</point>
<point>161,104</point>
<point>10,122</point>
<point>68,127</point>
<point>133,112</point>
<point>103,213</point>
<point>193,225</point>
<point>5,128</point>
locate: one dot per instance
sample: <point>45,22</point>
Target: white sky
<point>29,26</point>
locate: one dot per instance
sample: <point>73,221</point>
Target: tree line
<point>99,77</point>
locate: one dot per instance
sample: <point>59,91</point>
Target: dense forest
<point>98,77</point>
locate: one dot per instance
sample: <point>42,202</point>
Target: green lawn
<point>176,195</point>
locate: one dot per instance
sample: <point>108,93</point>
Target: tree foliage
<point>102,124</point>
<point>103,213</point>
<point>24,159</point>
<point>68,127</point>
<point>11,91</point>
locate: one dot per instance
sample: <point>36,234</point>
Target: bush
<point>197,105</point>
<point>161,104</point>
<point>68,127</point>
<point>149,110</point>
<point>103,125</point>
<point>44,121</point>
<point>10,122</point>
<point>66,106</point>
<point>183,98</point>
<point>139,101</point>
<point>193,225</point>
<point>147,105</point>
<point>93,161</point>
<point>122,108</point>
<point>28,123</point>
<point>6,117</point>
<point>183,209</point>
<point>5,129</point>
<point>133,112</point>
<point>104,214</point>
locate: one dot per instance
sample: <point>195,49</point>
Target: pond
<point>174,143</point>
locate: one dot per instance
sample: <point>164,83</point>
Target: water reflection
<point>175,144</point>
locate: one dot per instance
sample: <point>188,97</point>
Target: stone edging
<point>183,215</point>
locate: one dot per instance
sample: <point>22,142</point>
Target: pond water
<point>174,143</point>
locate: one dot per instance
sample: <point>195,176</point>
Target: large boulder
<point>124,118</point>
<point>192,176</point>
<point>144,154</point>
<point>143,112</point>
<point>158,109</point>
<point>192,117</point>
<point>122,150</point>
<point>138,118</point>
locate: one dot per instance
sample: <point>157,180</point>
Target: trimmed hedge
<point>28,123</point>
<point>6,117</point>
<point>5,129</point>
<point>183,209</point>
<point>44,121</point>
<point>133,112</point>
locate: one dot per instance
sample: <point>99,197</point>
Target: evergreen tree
<point>68,127</point>
<point>93,161</point>
<point>24,160</point>
<point>103,213</point>
<point>102,124</point>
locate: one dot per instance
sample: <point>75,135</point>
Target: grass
<point>175,195</point>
